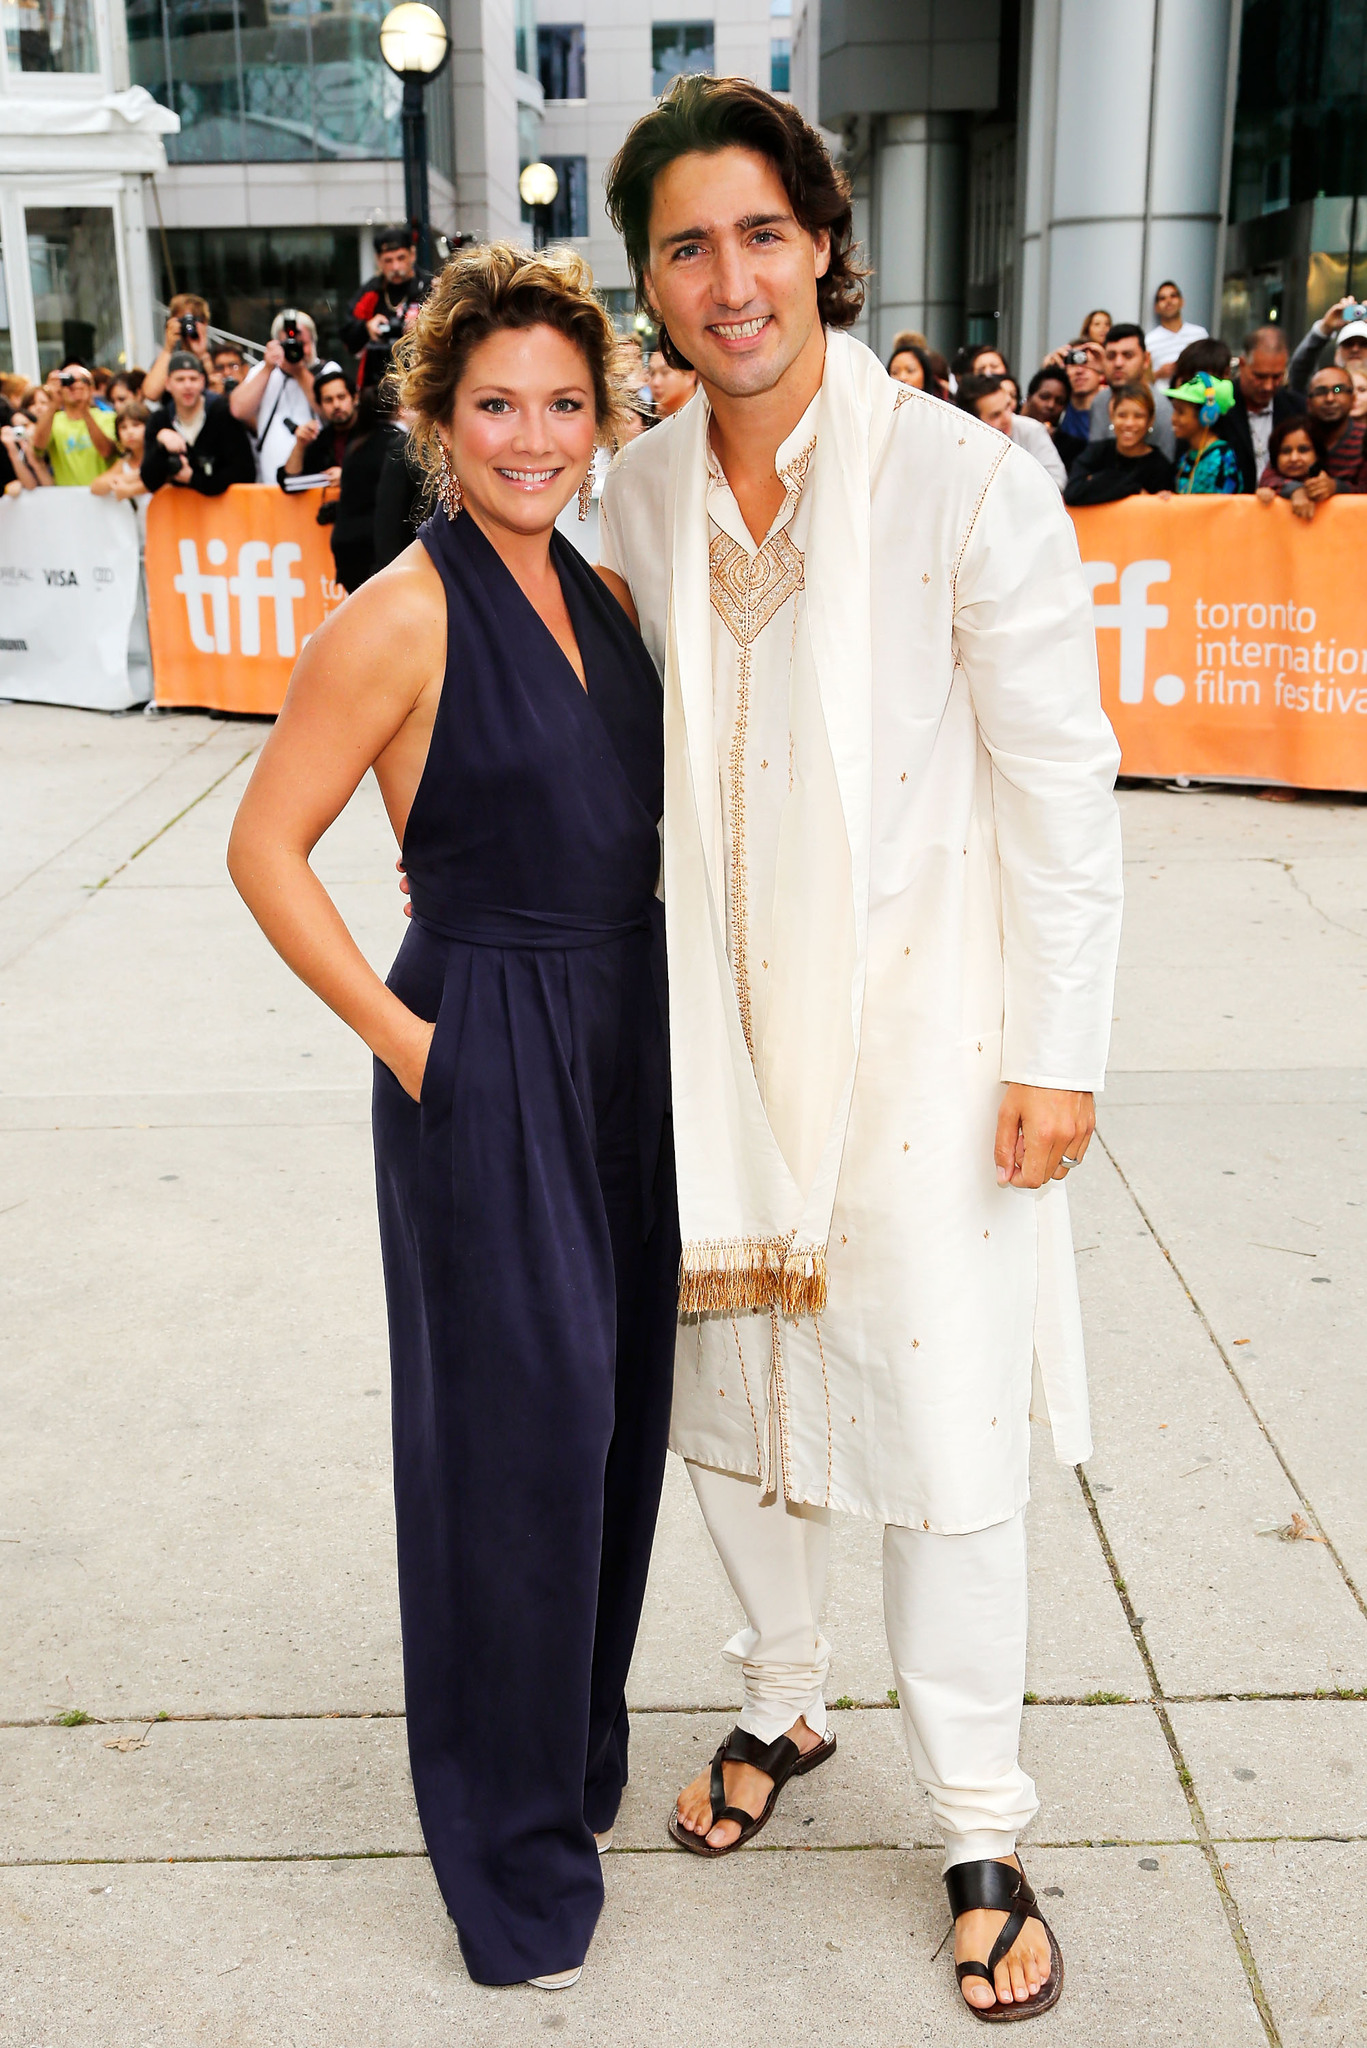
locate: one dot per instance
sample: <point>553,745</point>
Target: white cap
<point>1356,330</point>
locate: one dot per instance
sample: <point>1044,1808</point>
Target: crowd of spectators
<point>1119,410</point>
<point>211,411</point>
<point>1116,411</point>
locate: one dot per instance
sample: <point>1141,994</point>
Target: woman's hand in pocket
<point>409,1064</point>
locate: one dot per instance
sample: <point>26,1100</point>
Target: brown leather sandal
<point>779,1760</point>
<point>989,1886</point>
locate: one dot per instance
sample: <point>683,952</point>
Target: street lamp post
<point>538,185</point>
<point>415,46</point>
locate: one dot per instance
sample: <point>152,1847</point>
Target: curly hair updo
<point>481,292</point>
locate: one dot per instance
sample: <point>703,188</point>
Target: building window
<point>248,275</point>
<point>560,60</point>
<point>6,347</point>
<point>51,35</point>
<point>268,81</point>
<point>567,215</point>
<point>678,48</point>
<point>524,35</point>
<point>74,275</point>
<point>781,46</point>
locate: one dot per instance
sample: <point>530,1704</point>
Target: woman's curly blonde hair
<point>481,291</point>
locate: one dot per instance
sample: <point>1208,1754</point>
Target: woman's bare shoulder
<point>391,631</point>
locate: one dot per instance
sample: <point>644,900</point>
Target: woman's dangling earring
<point>586,492</point>
<point>448,486</point>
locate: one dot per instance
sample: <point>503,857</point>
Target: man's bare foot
<point>746,1788</point>
<point>1021,1971</point>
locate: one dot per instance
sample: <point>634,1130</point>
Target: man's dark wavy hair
<point>702,115</point>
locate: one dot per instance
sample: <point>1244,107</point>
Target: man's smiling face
<point>732,273</point>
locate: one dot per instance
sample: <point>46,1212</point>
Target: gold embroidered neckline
<point>746,591</point>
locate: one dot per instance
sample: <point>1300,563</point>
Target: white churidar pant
<point>955,1611</point>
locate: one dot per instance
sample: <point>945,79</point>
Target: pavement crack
<point>105,816</point>
<point>1288,868</point>
<point>1185,1779</point>
<point>1321,1532</point>
<point>183,812</point>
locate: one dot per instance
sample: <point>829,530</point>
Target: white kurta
<point>992,928</point>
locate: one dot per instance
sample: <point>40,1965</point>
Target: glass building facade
<point>276,80</point>
<point>1297,235</point>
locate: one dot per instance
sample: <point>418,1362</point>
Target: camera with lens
<point>67,379</point>
<point>292,343</point>
<point>189,329</point>
<point>1076,356</point>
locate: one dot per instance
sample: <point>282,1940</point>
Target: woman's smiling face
<point>522,430</point>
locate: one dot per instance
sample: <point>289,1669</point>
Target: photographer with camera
<point>193,441</point>
<point>21,469</point>
<point>79,441</point>
<point>187,331</point>
<point>276,398</point>
<point>386,306</point>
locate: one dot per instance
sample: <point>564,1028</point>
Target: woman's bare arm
<point>363,674</point>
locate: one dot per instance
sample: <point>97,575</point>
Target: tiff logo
<point>1134,617</point>
<point>206,597</point>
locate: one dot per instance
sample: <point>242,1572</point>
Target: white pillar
<point>1123,160</point>
<point>918,207</point>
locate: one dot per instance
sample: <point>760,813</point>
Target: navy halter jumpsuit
<point>530,1240</point>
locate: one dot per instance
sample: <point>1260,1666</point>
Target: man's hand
<point>308,430</point>
<point>1318,487</point>
<point>1036,1128</point>
<point>377,326</point>
<point>1331,321</point>
<point>171,441</point>
<point>334,475</point>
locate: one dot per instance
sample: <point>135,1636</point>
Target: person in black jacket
<point>1261,402</point>
<point>193,441</point>
<point>385,307</point>
<point>1047,399</point>
<point>320,446</point>
<point>399,499</point>
<point>352,514</point>
<point>1123,464</point>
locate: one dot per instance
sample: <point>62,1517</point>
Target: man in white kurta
<point>892,883</point>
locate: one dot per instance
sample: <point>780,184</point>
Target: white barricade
<point>69,594</point>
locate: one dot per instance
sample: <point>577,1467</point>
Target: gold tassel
<point>731,1276</point>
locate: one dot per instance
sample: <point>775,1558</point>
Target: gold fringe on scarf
<point>727,1277</point>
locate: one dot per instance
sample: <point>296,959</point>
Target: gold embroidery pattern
<point>747,591</point>
<point>826,1385</point>
<point>745,1382</point>
<point>795,474</point>
<point>903,398</point>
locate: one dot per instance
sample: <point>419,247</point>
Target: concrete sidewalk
<point>196,1536</point>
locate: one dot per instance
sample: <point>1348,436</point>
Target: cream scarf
<point>758,1168</point>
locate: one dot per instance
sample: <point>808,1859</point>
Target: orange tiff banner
<point>235,586</point>
<point>1232,637</point>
